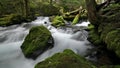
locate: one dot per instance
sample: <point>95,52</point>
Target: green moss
<point>105,28</point>
<point>36,42</point>
<point>58,21</point>
<point>90,27</point>
<point>76,19</point>
<point>94,37</point>
<point>67,59</point>
<point>113,41</point>
<point>111,13</point>
<point>11,19</point>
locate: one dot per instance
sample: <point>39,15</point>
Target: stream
<point>12,37</point>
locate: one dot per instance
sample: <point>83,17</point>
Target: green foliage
<point>11,19</point>
<point>58,21</point>
<point>11,6</point>
<point>36,42</point>
<point>37,7</point>
<point>113,41</point>
<point>66,59</point>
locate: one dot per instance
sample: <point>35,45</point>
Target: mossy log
<point>58,21</point>
<point>71,15</point>
<point>77,11</point>
<point>76,19</point>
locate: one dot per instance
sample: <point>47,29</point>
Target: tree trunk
<point>26,8</point>
<point>92,12</point>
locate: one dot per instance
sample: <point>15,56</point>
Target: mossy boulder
<point>66,59</point>
<point>37,41</point>
<point>113,41</point>
<point>58,21</point>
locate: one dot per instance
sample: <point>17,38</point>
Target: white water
<point>12,37</point>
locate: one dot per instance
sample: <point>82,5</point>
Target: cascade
<point>12,37</point>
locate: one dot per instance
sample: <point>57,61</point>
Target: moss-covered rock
<point>113,41</point>
<point>58,21</point>
<point>67,59</point>
<point>37,41</point>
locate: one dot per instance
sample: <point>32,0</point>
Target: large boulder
<point>37,41</point>
<point>67,59</point>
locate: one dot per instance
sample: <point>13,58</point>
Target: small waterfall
<point>12,37</point>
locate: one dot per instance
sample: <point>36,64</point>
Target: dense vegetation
<point>28,10</point>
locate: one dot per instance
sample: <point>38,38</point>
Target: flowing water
<point>12,37</point>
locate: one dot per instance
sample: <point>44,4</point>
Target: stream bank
<point>106,32</point>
